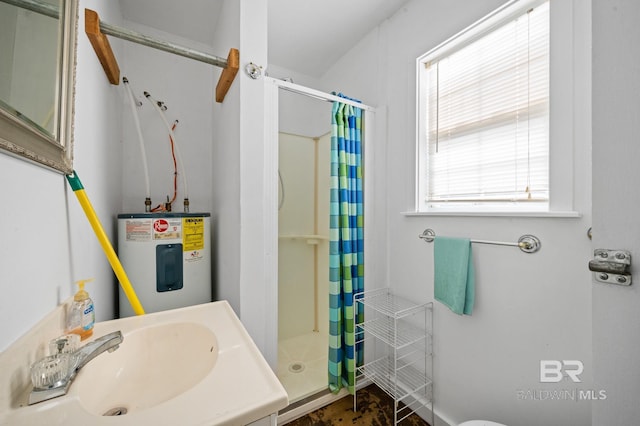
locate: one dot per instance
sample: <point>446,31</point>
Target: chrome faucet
<point>78,359</point>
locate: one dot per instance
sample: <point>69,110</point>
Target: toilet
<point>480,423</point>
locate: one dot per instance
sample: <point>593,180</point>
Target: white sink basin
<point>189,366</point>
<point>153,365</point>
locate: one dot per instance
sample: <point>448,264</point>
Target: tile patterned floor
<point>375,408</point>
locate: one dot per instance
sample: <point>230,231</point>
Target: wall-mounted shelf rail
<point>97,32</point>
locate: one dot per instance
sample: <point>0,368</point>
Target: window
<point>483,115</point>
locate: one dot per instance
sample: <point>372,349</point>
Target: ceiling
<point>305,36</point>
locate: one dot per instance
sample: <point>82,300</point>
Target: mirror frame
<point>19,139</point>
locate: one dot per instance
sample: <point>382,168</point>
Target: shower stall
<point>297,177</point>
<point>303,248</point>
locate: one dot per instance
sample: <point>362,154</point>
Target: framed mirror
<point>37,63</point>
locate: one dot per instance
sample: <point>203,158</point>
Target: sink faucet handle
<point>50,370</point>
<point>64,344</point>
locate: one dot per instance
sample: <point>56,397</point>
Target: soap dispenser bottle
<point>81,316</point>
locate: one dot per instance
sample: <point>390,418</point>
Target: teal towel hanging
<point>454,274</point>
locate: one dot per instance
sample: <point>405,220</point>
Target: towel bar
<point>527,243</point>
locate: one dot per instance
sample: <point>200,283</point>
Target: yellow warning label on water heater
<point>192,233</point>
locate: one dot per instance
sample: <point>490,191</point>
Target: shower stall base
<point>302,365</point>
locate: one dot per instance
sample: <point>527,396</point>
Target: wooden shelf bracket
<point>101,45</point>
<point>228,74</point>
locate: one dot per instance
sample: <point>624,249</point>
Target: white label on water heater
<point>138,229</point>
<point>193,256</point>
<point>167,229</point>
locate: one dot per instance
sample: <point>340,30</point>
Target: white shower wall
<point>303,204</point>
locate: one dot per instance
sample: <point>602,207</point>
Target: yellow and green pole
<point>78,189</point>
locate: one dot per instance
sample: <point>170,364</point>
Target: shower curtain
<point>346,248</point>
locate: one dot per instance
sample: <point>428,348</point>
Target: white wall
<point>225,184</point>
<point>528,307</point>
<point>616,317</point>
<point>241,199</point>
<point>48,243</point>
<point>186,87</point>
<point>258,256</point>
<point>300,115</point>
<point>303,115</point>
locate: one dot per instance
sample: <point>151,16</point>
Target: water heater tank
<point>167,257</point>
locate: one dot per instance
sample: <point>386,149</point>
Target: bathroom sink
<point>153,365</point>
<point>188,366</point>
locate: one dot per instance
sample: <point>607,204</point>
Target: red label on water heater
<point>167,229</point>
<point>160,225</point>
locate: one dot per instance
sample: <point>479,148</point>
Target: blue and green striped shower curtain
<point>346,244</point>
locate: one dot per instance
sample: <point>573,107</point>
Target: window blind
<point>487,115</point>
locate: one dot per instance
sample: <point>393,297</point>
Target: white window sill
<point>441,212</point>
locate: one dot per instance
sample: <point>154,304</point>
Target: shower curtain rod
<point>323,96</point>
<point>97,31</point>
